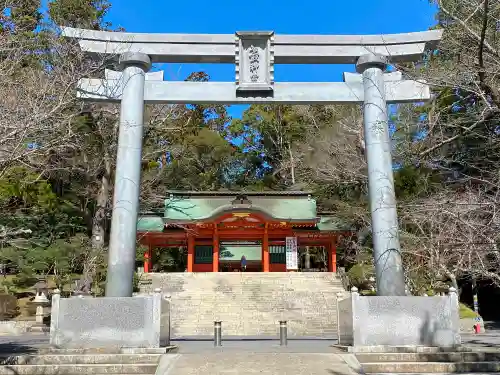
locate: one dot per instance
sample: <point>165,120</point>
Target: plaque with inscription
<point>255,61</point>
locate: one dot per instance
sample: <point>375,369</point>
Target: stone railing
<point>344,278</point>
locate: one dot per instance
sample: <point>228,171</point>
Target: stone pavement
<point>250,356</point>
<point>312,357</point>
<point>483,340</point>
<point>256,346</point>
<point>25,343</point>
<point>30,342</point>
<point>243,363</point>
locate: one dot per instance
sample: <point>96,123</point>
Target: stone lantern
<point>41,301</point>
<point>41,289</point>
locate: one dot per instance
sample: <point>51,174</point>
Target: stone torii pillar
<point>384,217</point>
<point>122,245</point>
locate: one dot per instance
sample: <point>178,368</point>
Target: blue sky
<point>280,16</point>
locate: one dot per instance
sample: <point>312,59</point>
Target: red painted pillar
<point>190,255</point>
<point>265,251</point>
<point>332,256</point>
<point>215,258</point>
<point>148,261</point>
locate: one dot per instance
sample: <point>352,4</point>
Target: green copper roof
<point>193,206</point>
<point>332,223</point>
<point>150,223</point>
<point>199,206</point>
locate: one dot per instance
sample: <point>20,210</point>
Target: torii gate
<point>254,55</point>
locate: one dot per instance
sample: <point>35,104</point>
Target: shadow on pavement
<point>492,326</point>
<point>15,348</point>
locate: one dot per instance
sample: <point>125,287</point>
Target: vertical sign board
<point>291,253</point>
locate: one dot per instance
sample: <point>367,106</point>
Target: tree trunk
<point>292,164</point>
<point>99,222</point>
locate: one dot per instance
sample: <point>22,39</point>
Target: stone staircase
<point>428,360</point>
<point>250,304</point>
<point>77,361</point>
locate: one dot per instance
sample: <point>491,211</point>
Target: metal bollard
<point>217,333</point>
<point>283,333</point>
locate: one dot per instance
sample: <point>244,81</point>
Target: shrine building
<point>219,228</point>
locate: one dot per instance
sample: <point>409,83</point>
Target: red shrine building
<point>273,231</point>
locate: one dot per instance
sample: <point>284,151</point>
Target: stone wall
<point>141,321</point>
<point>14,328</point>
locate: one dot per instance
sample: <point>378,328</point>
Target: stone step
<point>430,367</point>
<point>429,357</point>
<point>239,333</point>
<point>202,297</point>
<point>244,297</point>
<point>307,301</point>
<point>461,373</point>
<point>82,351</point>
<point>228,327</point>
<point>239,306</point>
<point>81,359</point>
<point>216,305</point>
<point>238,322</point>
<point>265,317</point>
<point>78,369</point>
<point>385,349</point>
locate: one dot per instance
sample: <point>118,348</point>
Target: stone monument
<point>110,322</point>
<point>399,320</point>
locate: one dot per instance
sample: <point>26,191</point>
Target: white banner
<point>291,253</point>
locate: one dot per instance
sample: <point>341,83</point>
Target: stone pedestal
<point>399,320</point>
<point>110,322</point>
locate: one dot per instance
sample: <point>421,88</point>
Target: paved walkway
<point>267,357</point>
<point>30,342</point>
<point>257,346</point>
<point>484,340</point>
<point>243,363</point>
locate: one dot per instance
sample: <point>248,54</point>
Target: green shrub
<point>466,312</point>
<point>8,307</point>
<point>359,274</point>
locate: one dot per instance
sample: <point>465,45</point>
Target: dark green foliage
<point>26,16</point>
<point>87,14</point>
<point>415,182</point>
<point>171,259</point>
